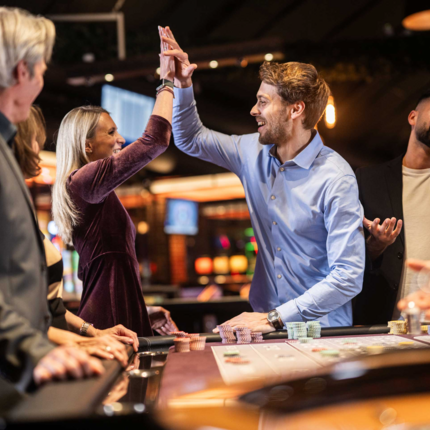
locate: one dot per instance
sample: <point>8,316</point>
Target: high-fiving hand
<point>167,63</point>
<point>183,68</point>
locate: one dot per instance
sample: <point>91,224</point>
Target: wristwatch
<point>85,326</point>
<point>165,83</point>
<point>275,320</point>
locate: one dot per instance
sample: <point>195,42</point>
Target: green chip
<point>231,353</point>
<point>329,353</point>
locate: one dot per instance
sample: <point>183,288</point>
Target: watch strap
<point>275,319</point>
<point>85,326</point>
<point>165,83</point>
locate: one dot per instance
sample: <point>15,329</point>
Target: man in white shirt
<point>398,190</point>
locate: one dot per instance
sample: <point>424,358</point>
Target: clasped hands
<point>174,63</point>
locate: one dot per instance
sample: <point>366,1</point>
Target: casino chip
<point>231,353</point>
<point>182,344</point>
<point>398,327</point>
<point>329,353</point>
<point>236,360</point>
<point>197,343</point>
<point>375,349</point>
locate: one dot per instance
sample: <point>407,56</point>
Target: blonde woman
<point>29,140</point>
<point>89,215</point>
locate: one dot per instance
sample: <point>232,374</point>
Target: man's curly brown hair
<point>298,82</point>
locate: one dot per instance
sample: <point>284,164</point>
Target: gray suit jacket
<point>24,314</point>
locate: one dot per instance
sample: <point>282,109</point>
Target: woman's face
<point>106,140</point>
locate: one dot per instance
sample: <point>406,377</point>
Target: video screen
<point>129,110</point>
<point>181,217</point>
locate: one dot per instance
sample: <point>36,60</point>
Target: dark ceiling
<point>375,68</point>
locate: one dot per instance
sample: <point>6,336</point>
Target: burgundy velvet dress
<point>105,236</point>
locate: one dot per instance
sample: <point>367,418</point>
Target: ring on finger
<point>108,348</point>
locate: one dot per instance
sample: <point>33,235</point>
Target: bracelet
<point>166,88</point>
<point>85,326</point>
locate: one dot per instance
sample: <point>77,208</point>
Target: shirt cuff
<point>289,312</point>
<point>183,96</point>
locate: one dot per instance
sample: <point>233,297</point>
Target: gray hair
<point>23,36</point>
<point>76,127</point>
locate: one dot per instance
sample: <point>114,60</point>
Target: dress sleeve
<point>96,180</point>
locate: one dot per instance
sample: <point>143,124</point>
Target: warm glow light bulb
<point>109,77</point>
<point>330,113</point>
<point>213,64</point>
<point>268,57</point>
<point>158,71</point>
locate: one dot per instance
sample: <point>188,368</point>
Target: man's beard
<point>274,134</point>
<point>423,135</point>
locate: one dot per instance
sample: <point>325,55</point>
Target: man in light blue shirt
<point>301,195</point>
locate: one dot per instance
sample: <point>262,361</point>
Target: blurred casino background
<point>195,242</point>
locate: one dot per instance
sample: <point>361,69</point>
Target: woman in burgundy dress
<point>89,215</point>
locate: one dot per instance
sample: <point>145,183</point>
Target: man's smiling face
<point>271,114</point>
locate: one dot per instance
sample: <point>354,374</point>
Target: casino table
<point>196,389</point>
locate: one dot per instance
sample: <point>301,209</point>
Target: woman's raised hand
<point>167,63</point>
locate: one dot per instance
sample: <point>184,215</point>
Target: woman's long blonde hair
<point>76,127</point>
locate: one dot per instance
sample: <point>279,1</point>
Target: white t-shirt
<point>416,217</point>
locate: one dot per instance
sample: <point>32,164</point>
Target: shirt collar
<point>306,157</point>
<point>7,130</point>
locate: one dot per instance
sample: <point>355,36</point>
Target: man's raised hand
<point>183,69</point>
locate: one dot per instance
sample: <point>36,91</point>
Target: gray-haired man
<point>25,353</point>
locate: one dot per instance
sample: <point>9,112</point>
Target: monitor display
<point>182,217</point>
<point>129,110</point>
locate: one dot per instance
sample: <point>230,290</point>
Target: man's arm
<point>189,134</point>
<point>345,255</point>
<point>21,346</point>
<point>194,139</point>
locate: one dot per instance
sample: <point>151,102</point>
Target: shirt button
<point>279,248</point>
<point>279,276</point>
<point>273,197</point>
<point>274,223</point>
<point>281,169</point>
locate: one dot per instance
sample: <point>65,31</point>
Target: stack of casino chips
<point>257,337</point>
<point>398,327</point>
<point>178,333</point>
<point>197,343</point>
<point>227,334</point>
<point>182,344</point>
<point>290,330</point>
<point>243,335</point>
<point>306,339</point>
<point>192,335</point>
<point>299,330</point>
<point>314,329</point>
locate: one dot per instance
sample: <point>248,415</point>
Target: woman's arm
<point>96,180</point>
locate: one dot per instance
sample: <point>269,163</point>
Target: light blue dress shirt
<point>306,216</point>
